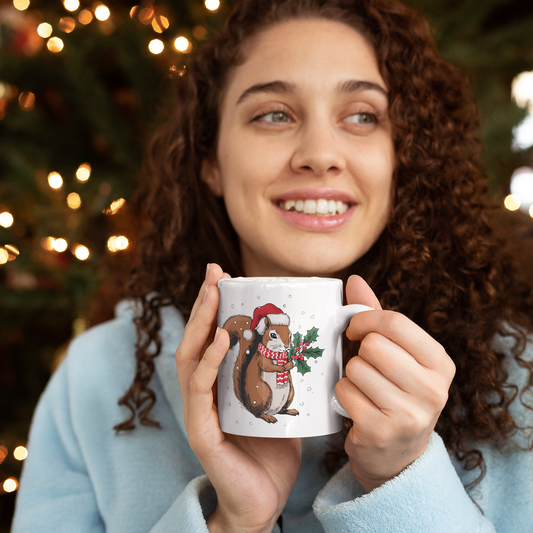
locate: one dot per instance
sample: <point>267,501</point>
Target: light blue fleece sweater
<point>81,477</point>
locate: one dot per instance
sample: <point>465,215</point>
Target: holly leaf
<point>297,339</point>
<point>313,352</point>
<point>292,350</point>
<point>311,336</point>
<point>302,367</point>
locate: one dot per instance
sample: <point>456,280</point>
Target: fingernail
<point>207,270</point>
<point>217,335</point>
<point>205,294</point>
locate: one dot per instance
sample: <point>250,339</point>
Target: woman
<point>307,101</point>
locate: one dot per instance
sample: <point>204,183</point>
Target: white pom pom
<point>247,334</point>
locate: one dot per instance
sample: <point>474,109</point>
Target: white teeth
<point>315,207</point>
<point>309,207</point>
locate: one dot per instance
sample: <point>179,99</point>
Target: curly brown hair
<point>438,261</point>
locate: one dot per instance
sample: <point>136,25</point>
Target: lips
<point>322,209</point>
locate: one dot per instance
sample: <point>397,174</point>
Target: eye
<point>274,116</point>
<point>273,335</point>
<point>362,118</point>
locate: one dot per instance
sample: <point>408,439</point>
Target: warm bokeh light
<point>156,46</point>
<point>48,243</point>
<point>133,11</point>
<point>522,187</point>
<point>85,16</point>
<point>102,12</point>
<point>60,245</point>
<point>4,256</point>
<point>21,5</point>
<point>6,219</point>
<point>212,5</point>
<point>12,251</point>
<point>199,32</point>
<point>44,30</point>
<point>55,180</point>
<point>55,44</point>
<point>145,15</point>
<point>512,202</point>
<point>81,252</point>
<point>522,89</point>
<point>115,206</point>
<point>71,5</point>
<point>74,200</point>
<point>117,243</point>
<point>66,24</point>
<point>182,44</point>
<point>26,101</point>
<point>20,453</point>
<point>160,23</point>
<point>84,172</point>
<point>10,484</point>
<point>3,452</point>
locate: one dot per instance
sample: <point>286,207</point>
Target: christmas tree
<point>82,86</point>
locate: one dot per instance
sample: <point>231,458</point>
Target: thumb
<point>359,292</point>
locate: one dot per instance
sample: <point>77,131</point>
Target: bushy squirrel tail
<point>240,336</point>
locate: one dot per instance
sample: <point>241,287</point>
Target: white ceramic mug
<point>278,377</point>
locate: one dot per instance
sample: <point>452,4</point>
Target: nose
<point>318,150</point>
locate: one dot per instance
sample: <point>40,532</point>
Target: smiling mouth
<point>320,207</point>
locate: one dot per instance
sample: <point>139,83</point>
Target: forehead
<point>311,53</point>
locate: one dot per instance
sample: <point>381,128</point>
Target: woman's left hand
<point>394,390</point>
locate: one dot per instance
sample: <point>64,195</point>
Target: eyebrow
<point>271,87</point>
<point>283,87</point>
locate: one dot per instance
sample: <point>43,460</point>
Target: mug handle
<point>342,317</point>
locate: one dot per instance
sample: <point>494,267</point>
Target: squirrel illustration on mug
<point>261,377</point>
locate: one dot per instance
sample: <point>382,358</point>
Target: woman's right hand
<point>252,476</point>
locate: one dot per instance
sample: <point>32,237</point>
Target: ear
<point>268,323</point>
<point>210,175</point>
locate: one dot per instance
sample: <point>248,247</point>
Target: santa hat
<point>276,316</point>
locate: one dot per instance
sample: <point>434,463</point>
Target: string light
<point>4,256</point>
<point>212,5</point>
<point>145,15</point>
<point>55,44</point>
<point>115,207</point>
<point>12,251</point>
<point>60,245</point>
<point>20,453</point>
<point>44,30</point>
<point>102,12</point>
<point>160,23</point>
<point>48,243</point>
<point>117,243</point>
<point>512,202</point>
<point>6,219</point>
<point>81,252</point>
<point>84,172</point>
<point>74,200</point>
<point>21,5</point>
<point>156,46</point>
<point>182,44</point>
<point>26,101</point>
<point>199,32</point>
<point>71,5</point>
<point>10,484</point>
<point>85,16</point>
<point>55,180</point>
<point>66,24</point>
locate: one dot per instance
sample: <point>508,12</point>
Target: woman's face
<point>305,155</point>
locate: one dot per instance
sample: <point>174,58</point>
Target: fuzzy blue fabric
<point>80,476</point>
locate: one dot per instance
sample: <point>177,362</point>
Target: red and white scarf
<point>279,358</point>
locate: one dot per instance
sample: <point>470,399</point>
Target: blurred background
<point>83,85</point>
